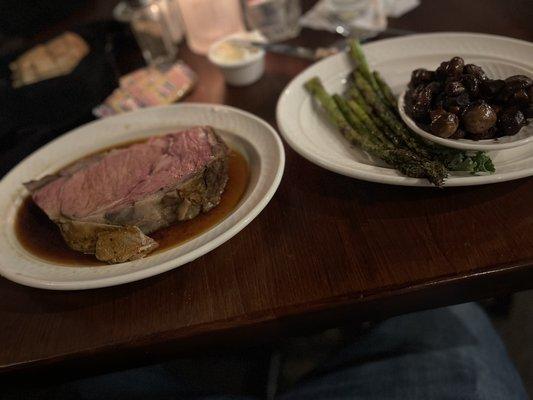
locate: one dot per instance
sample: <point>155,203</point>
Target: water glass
<point>149,24</point>
<point>276,19</point>
<point>175,24</point>
<point>206,21</point>
<point>347,10</point>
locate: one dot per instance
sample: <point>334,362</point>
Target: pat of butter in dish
<point>232,51</point>
<point>240,62</point>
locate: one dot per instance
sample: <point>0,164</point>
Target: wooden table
<point>327,249</point>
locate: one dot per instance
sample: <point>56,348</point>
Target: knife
<point>308,53</point>
<point>297,51</point>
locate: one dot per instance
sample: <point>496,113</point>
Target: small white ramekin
<point>243,72</point>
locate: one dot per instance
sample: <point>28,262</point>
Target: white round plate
<point>525,135</point>
<point>309,133</point>
<point>242,131</point>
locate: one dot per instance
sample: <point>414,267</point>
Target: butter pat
<point>231,51</point>
<point>241,63</point>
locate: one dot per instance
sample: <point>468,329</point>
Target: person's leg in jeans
<point>447,353</point>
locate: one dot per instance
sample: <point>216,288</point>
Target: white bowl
<point>242,72</point>
<point>524,136</point>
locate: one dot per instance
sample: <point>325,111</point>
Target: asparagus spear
<point>357,54</point>
<point>314,86</point>
<point>355,95</point>
<point>402,159</point>
<point>377,95</point>
<point>355,122</point>
<point>348,115</point>
<point>400,133</point>
<point>410,164</point>
<point>359,124</point>
<point>387,91</point>
<point>388,117</point>
<point>369,125</point>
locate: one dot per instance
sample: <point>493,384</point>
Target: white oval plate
<point>242,131</point>
<point>308,132</point>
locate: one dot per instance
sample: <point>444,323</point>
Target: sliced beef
<point>128,243</point>
<point>107,203</point>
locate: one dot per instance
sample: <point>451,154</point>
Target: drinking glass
<point>149,24</point>
<point>174,22</point>
<point>276,19</point>
<point>206,21</point>
<point>347,10</point>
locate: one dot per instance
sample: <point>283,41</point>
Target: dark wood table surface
<point>327,250</point>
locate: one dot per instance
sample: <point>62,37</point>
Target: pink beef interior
<point>126,175</point>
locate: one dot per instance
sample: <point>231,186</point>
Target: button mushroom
<point>455,66</point>
<point>519,80</point>
<point>421,75</point>
<point>436,113</point>
<point>521,97</point>
<point>454,88</point>
<point>471,83</point>
<point>511,120</point>
<point>459,134</point>
<point>450,69</point>
<point>445,124</point>
<point>475,70</point>
<point>488,134</point>
<point>455,110</point>
<point>528,112</point>
<point>479,117</point>
<point>491,87</point>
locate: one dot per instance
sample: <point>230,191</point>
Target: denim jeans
<point>447,353</point>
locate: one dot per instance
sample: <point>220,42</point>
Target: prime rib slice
<point>107,203</point>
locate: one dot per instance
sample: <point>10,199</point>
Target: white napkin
<point>397,8</point>
<point>372,17</point>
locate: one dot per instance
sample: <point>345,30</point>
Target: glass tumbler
<point>149,24</point>
<point>347,10</point>
<point>206,21</point>
<point>276,19</point>
<point>175,24</point>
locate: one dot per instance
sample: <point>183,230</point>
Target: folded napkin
<point>367,15</point>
